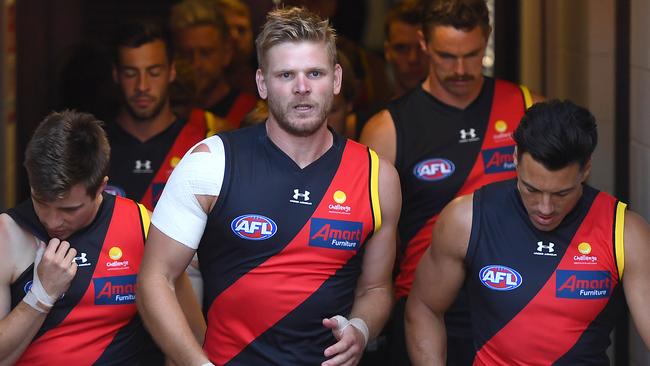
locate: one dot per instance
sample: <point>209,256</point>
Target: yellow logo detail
<point>115,253</point>
<point>174,161</point>
<point>501,126</point>
<point>340,197</point>
<point>584,248</point>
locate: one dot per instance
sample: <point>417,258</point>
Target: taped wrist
<point>358,323</point>
<point>31,300</point>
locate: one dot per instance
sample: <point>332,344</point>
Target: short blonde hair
<point>191,13</point>
<point>294,25</point>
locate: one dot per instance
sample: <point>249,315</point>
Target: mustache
<point>463,77</point>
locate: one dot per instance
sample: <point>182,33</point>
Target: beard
<point>301,124</point>
<point>145,115</point>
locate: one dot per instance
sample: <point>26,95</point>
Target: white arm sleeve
<point>178,213</point>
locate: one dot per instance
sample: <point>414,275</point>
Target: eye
<point>129,73</point>
<point>285,75</point>
<point>155,71</point>
<point>315,74</point>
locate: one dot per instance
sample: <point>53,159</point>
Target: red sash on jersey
<point>194,131</point>
<point>553,321</point>
<point>242,312</point>
<point>84,334</point>
<point>243,104</point>
<point>508,106</point>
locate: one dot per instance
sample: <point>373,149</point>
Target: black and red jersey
<point>283,249</point>
<point>95,321</point>
<point>139,170</point>
<point>444,152</point>
<point>234,107</point>
<point>543,297</point>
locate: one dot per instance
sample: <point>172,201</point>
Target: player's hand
<point>55,267</point>
<point>349,348</point>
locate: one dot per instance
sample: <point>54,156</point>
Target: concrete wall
<point>639,134</point>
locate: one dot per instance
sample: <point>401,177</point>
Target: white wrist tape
<point>358,323</point>
<point>208,364</point>
<point>37,293</point>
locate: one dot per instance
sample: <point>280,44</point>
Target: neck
<point>143,130</point>
<point>433,87</point>
<point>303,150</point>
<point>214,95</point>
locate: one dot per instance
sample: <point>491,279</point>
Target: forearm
<point>373,306</point>
<point>166,321</point>
<point>17,330</point>
<point>190,306</point>
<point>426,338</point>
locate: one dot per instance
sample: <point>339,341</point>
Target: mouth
<point>142,102</point>
<point>303,107</point>
<point>544,220</point>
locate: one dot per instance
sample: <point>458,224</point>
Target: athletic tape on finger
<point>343,322</point>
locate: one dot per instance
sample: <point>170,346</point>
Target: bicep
<point>164,255</point>
<point>379,134</point>
<point>441,270</point>
<point>636,272</point>
<point>379,255</point>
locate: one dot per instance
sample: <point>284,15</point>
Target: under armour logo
<point>302,198</point>
<point>545,249</point>
<point>468,136</point>
<point>142,166</point>
<point>81,260</point>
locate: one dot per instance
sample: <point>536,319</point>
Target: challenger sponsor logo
<point>115,191</point>
<point>501,132</point>
<point>339,207</point>
<point>434,169</point>
<point>253,227</point>
<point>116,290</point>
<point>583,256</point>
<point>115,253</point>
<point>499,160</point>
<point>500,278</point>
<point>335,234</point>
<point>583,284</point>
<point>174,161</point>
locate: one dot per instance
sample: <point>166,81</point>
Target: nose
<point>459,66</point>
<point>301,86</point>
<point>143,82</point>
<point>51,219</point>
<point>545,205</point>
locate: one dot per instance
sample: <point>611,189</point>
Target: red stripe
<point>243,104</point>
<point>266,294</point>
<point>194,131</point>
<point>507,106</point>
<point>547,327</point>
<point>82,337</point>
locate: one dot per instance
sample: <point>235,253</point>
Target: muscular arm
<point>379,134</point>
<point>637,272</point>
<point>374,293</point>
<point>164,261</point>
<point>19,325</point>
<point>438,278</point>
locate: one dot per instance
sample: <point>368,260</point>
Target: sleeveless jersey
<point>95,321</point>
<point>139,170</point>
<point>283,249</point>
<point>542,298</point>
<point>444,152</point>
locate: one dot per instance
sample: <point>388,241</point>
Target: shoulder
<point>453,227</point>
<point>380,134</point>
<point>14,242</point>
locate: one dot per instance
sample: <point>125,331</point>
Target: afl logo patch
<point>500,278</point>
<point>253,227</point>
<point>434,169</point>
